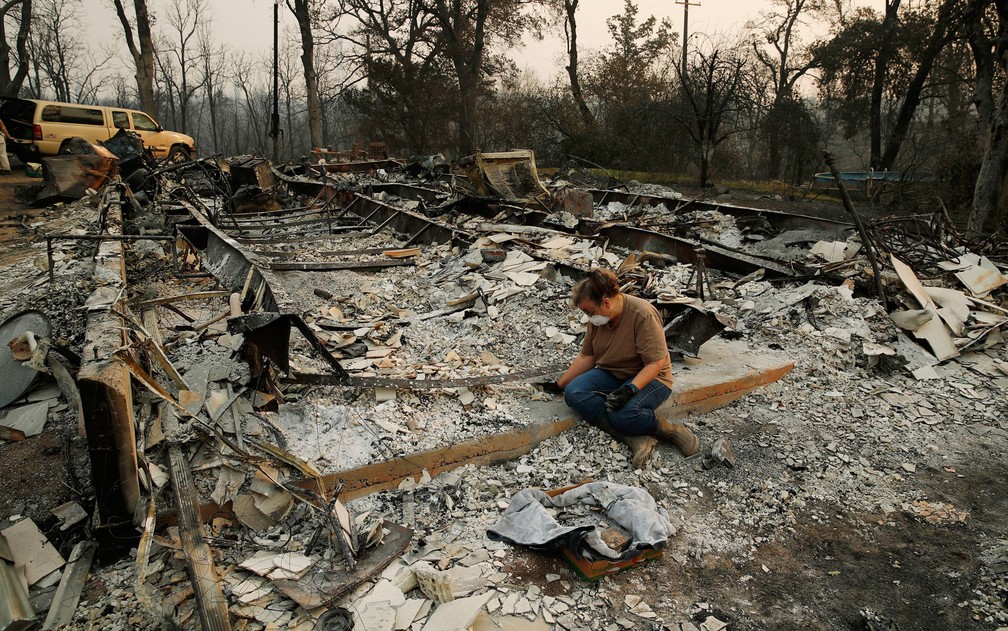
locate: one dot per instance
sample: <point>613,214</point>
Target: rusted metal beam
<point>200,295</point>
<point>406,191</point>
<point>230,263</point>
<point>210,601</point>
<point>363,166</point>
<point>283,223</point>
<point>406,222</point>
<point>327,266</point>
<point>481,451</point>
<point>779,220</point>
<point>684,251</point>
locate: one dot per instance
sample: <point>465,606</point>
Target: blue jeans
<point>586,395</point>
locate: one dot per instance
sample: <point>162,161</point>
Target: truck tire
<point>178,153</point>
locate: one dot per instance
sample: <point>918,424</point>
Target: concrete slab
<point>725,371</point>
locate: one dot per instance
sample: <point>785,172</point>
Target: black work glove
<point>619,397</point>
<point>550,387</point>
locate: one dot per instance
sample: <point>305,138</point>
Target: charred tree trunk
<point>302,12</point>
<point>940,37</point>
<point>989,54</point>
<point>878,84</point>
<point>141,49</point>
<point>468,86</point>
<point>465,42</point>
<point>570,8</point>
<point>211,102</point>
<point>10,85</point>
<point>993,170</point>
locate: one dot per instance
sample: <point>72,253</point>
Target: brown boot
<point>640,446</point>
<point>679,435</point>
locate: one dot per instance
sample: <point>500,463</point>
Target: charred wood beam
<point>424,384</point>
<point>356,167</point>
<point>106,393</point>
<point>210,601</point>
<point>71,585</point>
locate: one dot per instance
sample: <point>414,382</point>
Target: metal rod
<point>869,248</point>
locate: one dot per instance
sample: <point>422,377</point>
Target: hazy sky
<point>247,24</point>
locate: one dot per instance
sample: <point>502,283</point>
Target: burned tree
<point>987,27</point>
<point>714,89</point>
<point>180,63</point>
<point>902,49</point>
<point>62,64</point>
<point>468,29</point>
<point>570,8</point>
<point>306,13</point>
<point>10,84</point>
<point>779,53</point>
<point>395,49</point>
<point>141,48</point>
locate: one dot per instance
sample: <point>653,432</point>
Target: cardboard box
<point>593,570</point>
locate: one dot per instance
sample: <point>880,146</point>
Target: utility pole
<point>275,122</point>
<point>686,4</point>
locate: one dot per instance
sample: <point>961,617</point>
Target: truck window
<point>142,122</point>
<point>120,120</point>
<point>71,114</point>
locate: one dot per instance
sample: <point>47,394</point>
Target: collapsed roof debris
<point>307,394</point>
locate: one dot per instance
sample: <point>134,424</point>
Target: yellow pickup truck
<point>42,128</point>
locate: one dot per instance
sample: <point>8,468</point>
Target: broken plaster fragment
<point>385,394</point>
<point>466,396</point>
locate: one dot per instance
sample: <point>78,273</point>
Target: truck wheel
<point>178,154</point>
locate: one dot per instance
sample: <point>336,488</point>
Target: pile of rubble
<point>331,397</point>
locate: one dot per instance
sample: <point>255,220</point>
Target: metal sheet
<point>15,379</point>
<point>688,330</point>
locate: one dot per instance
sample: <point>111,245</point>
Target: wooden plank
<point>323,585</point>
<point>71,585</point>
<point>11,434</point>
<point>403,253</point>
<point>211,605</point>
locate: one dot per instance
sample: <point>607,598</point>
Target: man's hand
<point>550,387</point>
<point>619,397</point>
